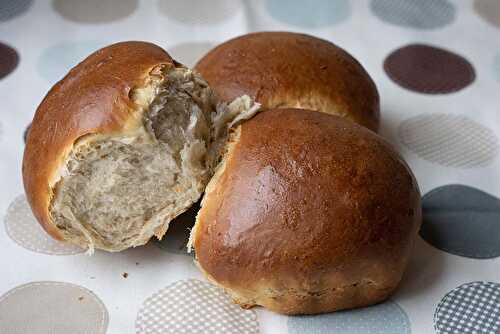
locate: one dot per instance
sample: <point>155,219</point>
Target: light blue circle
<point>55,61</point>
<point>496,67</point>
<point>418,14</point>
<point>12,8</point>
<point>385,318</point>
<point>309,14</point>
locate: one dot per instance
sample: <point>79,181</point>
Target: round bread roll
<point>307,213</point>
<point>123,144</point>
<point>290,70</point>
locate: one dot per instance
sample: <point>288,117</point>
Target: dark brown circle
<point>428,69</point>
<point>8,60</point>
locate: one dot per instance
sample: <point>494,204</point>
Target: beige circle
<point>189,53</point>
<point>449,140</point>
<point>22,227</point>
<point>199,12</point>
<point>95,11</point>
<point>489,10</point>
<point>193,306</point>
<point>52,307</point>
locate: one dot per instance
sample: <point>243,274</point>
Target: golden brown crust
<point>93,98</point>
<point>310,213</point>
<point>283,69</point>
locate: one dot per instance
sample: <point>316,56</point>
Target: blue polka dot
<point>385,318</point>
<point>496,67</point>
<point>55,61</point>
<point>462,220</point>
<point>418,14</point>
<point>313,14</point>
<point>12,8</point>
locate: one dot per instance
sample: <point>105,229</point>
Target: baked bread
<point>307,213</point>
<point>291,70</point>
<point>123,144</point>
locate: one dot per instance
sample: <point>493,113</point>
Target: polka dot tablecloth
<point>437,66</point>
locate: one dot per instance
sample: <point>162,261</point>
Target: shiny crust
<point>309,213</point>
<point>93,98</point>
<point>283,69</point>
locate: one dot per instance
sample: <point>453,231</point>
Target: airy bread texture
<point>307,213</point>
<point>123,144</point>
<point>291,70</point>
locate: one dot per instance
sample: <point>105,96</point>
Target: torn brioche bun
<point>124,143</point>
<point>307,213</point>
<point>291,70</point>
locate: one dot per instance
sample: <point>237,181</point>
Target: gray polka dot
<point>449,140</point>
<point>55,61</point>
<point>177,236</point>
<point>11,8</point>
<point>385,318</point>
<point>189,53</point>
<point>193,306</point>
<point>199,12</point>
<point>316,14</point>
<point>489,10</point>
<point>52,307</point>
<point>419,14</point>
<point>462,220</point>
<point>95,11</point>
<point>471,308</point>
<point>22,227</point>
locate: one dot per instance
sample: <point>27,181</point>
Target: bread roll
<point>123,144</point>
<point>284,69</point>
<point>307,213</point>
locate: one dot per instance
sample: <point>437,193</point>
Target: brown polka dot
<point>95,11</point>
<point>428,69</point>
<point>22,227</point>
<point>52,307</point>
<point>193,306</point>
<point>489,10</point>
<point>8,60</point>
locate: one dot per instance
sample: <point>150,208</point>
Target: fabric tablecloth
<point>437,67</point>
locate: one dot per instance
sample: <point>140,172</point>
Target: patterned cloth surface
<point>437,67</point>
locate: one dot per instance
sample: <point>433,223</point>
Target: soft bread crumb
<point>116,192</point>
